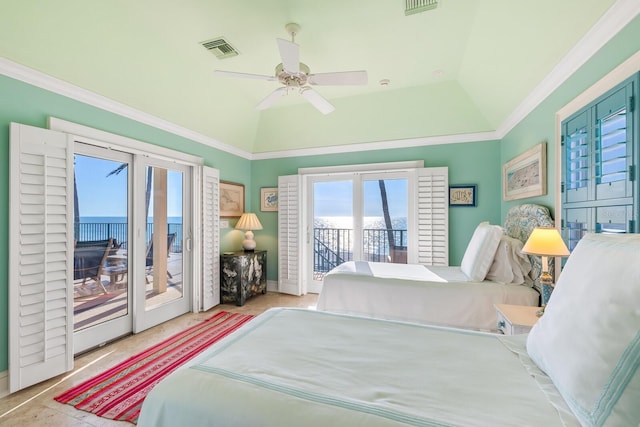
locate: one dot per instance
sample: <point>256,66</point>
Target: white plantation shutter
<point>289,243</point>
<point>40,255</point>
<point>432,216</point>
<point>210,238</point>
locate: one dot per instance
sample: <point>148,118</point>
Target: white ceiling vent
<point>417,6</point>
<point>220,48</point>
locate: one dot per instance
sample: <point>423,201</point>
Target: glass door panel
<point>332,226</point>
<point>163,258</point>
<point>161,293</point>
<point>384,234</point>
<point>101,286</point>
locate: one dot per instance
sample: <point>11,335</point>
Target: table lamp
<point>545,242</point>
<point>248,221</point>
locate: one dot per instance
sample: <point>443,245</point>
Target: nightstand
<point>242,274</point>
<point>516,319</point>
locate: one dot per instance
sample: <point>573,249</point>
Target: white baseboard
<point>272,286</point>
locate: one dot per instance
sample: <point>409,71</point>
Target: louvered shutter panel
<point>289,248</point>
<point>40,255</point>
<point>432,216</point>
<point>210,238</point>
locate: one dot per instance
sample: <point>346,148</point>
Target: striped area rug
<point>118,393</point>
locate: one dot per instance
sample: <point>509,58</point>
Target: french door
<point>140,208</point>
<point>360,216</point>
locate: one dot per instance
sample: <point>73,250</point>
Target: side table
<point>242,275</point>
<point>516,319</point>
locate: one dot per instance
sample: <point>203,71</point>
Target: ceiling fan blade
<point>317,100</point>
<point>271,98</point>
<point>244,75</point>
<point>341,78</point>
<point>290,54</point>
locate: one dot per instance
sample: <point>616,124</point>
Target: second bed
<point>438,295</point>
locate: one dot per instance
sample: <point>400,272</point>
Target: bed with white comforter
<point>280,370</point>
<point>294,367</point>
<point>493,271</point>
<point>417,293</point>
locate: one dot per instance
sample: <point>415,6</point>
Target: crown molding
<point>381,145</point>
<point>36,78</point>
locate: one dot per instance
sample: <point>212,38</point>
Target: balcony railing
<point>119,231</point>
<point>333,246</point>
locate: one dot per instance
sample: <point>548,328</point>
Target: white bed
<point>415,293</point>
<point>293,367</point>
<point>492,272</point>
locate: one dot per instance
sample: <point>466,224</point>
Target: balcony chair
<point>89,259</point>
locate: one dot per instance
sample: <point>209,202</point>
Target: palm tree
<point>147,195</point>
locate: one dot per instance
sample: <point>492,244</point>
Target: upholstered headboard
<point>520,222</point>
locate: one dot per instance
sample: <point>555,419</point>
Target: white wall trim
<point>380,145</point>
<point>368,167</point>
<point>52,84</point>
<point>118,142</point>
<point>616,18</point>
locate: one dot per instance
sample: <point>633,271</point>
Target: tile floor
<point>35,406</point>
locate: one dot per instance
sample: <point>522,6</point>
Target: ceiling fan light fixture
<point>293,74</point>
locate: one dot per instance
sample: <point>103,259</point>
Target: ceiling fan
<point>296,76</point>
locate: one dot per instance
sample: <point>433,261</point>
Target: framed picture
<point>231,199</point>
<point>526,175</point>
<point>269,199</point>
<point>463,195</point>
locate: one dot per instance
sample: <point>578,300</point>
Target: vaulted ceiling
<point>462,67</point>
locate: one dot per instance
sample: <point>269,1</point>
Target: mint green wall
<point>539,125</point>
<point>26,104</point>
<point>468,163</point>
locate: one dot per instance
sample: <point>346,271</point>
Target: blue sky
<point>100,195</point>
<point>335,198</point>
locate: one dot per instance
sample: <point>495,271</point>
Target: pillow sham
<point>510,266</point>
<point>588,340</point>
<point>481,250</point>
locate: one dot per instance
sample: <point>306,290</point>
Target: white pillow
<point>481,250</point>
<point>588,340</point>
<point>510,266</point>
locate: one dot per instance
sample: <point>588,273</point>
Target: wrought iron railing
<point>119,231</point>
<point>333,246</point>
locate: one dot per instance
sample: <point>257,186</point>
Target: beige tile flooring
<point>35,406</point>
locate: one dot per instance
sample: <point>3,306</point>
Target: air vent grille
<point>417,6</point>
<point>220,48</point>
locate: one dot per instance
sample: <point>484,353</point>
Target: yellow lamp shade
<point>545,241</point>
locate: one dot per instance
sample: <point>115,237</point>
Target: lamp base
<point>248,243</point>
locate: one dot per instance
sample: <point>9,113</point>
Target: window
<point>599,158</point>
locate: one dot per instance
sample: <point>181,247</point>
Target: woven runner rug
<point>118,393</point>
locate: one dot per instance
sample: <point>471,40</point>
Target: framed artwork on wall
<point>526,175</point>
<point>231,199</point>
<point>463,195</point>
<point>269,199</point>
